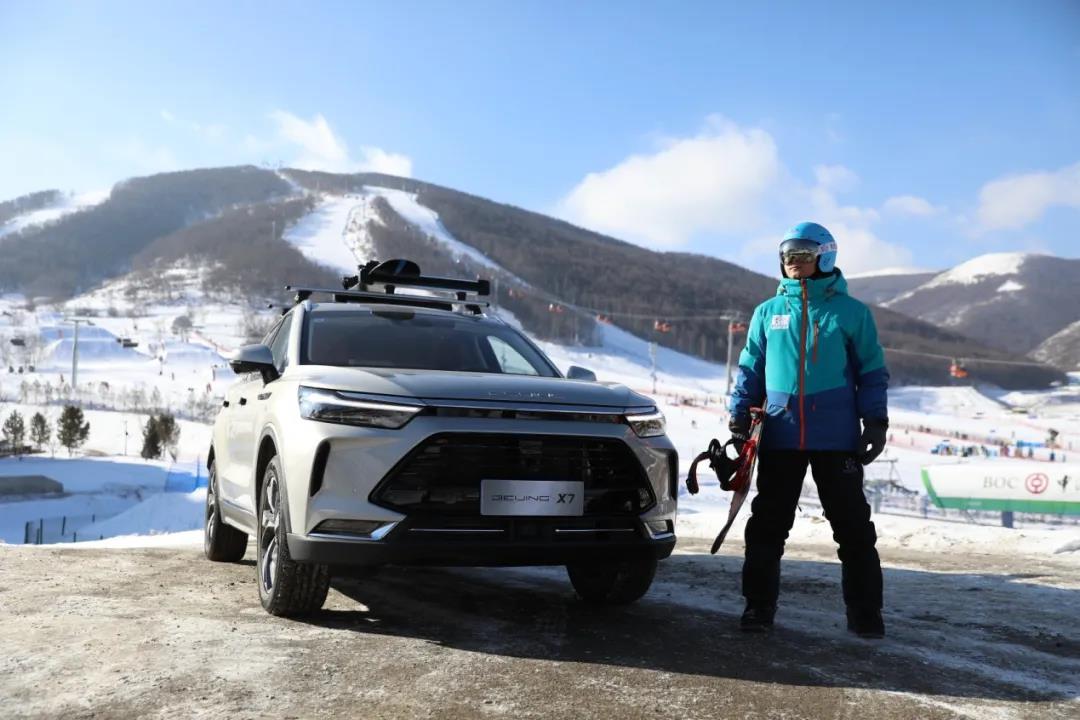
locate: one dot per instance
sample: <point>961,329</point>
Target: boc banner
<point>1020,487</point>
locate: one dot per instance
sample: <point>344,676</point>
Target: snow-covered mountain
<point>247,232</point>
<point>1012,301</point>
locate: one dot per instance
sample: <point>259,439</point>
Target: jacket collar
<point>816,288</point>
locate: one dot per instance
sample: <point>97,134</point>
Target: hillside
<point>82,248</point>
<point>1061,349</point>
<point>1010,301</point>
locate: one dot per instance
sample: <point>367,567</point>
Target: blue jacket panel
<point>813,361</point>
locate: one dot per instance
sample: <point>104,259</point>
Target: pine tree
<point>168,431</point>
<point>15,431</point>
<point>151,447</point>
<point>40,432</point>
<point>73,428</point>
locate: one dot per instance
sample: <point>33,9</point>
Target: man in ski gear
<point>812,360</point>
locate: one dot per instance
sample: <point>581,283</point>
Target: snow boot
<point>757,618</point>
<point>866,623</point>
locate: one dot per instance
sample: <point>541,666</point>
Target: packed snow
<point>336,232</point>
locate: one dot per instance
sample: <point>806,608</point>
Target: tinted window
<point>402,339</point>
<point>279,347</point>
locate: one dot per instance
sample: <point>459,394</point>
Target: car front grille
<point>443,474</point>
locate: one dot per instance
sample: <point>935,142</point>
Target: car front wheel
<point>616,582</point>
<point>286,587</point>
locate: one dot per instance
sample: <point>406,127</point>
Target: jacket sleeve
<point>749,390</point>
<point>871,375</point>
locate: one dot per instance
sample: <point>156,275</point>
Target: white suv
<point>381,428</point>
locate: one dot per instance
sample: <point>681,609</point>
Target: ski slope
<point>43,216</point>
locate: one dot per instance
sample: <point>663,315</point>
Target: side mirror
<point>579,373</point>
<point>254,358</point>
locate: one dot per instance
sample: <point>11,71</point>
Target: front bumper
<point>491,542</point>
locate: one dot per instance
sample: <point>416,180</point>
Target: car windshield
<point>421,341</point>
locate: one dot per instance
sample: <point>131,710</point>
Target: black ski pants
<point>839,479</point>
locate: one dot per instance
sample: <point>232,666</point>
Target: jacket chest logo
<point>780,322</point>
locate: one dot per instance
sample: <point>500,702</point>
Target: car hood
<point>434,386</point>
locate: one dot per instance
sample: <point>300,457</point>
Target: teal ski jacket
<point>813,361</point>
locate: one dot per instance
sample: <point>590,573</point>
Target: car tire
<point>221,542</point>
<point>617,582</point>
<point>286,588</point>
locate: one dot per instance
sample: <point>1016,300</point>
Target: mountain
<point>250,231</point>
<point>1010,301</point>
<point>880,287</point>
<point>81,248</point>
<point>1061,349</point>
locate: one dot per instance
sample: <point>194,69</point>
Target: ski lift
<point>18,341</point>
<point>602,318</point>
<point>957,370</point>
<point>662,326</point>
<point>736,327</point>
<point>555,308</point>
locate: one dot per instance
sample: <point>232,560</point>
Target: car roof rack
<point>392,274</point>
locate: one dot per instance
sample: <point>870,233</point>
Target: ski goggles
<point>797,251</point>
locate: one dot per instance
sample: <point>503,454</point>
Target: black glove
<point>873,434</point>
<point>739,425</point>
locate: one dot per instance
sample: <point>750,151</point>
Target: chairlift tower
<point>75,348</point>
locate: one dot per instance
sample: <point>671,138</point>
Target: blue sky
<point>922,133</point>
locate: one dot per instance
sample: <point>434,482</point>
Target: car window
<point>422,341</point>
<point>279,347</point>
<point>510,360</point>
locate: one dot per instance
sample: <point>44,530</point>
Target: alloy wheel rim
<point>211,510</point>
<point>268,522</point>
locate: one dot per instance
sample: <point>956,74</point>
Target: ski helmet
<point>826,245</point>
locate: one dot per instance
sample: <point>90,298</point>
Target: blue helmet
<point>821,237</point>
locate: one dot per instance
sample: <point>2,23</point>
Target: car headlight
<point>650,424</point>
<point>341,407</point>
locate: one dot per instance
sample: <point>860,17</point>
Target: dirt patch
<point>165,633</point>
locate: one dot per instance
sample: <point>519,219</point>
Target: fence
<point>45,531</point>
<point>183,481</point>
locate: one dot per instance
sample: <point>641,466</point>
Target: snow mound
<point>158,514</point>
<point>1010,286</point>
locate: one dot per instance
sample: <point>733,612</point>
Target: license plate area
<point>532,498</point>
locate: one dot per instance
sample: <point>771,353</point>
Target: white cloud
<point>859,248</point>
<point>713,182</point>
<point>141,157</point>
<point>836,178</point>
<point>322,149</point>
<point>379,160</point>
<point>910,205</point>
<point>1012,202</point>
<point>168,116</point>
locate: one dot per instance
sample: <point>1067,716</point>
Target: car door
<point>236,489</point>
<point>258,398</point>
